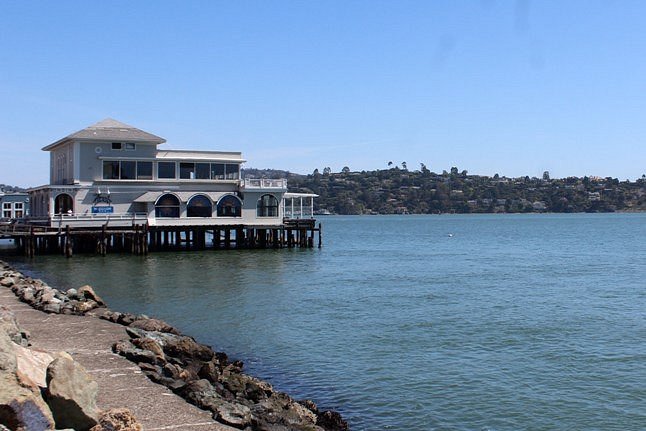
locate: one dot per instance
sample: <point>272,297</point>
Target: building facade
<point>112,172</point>
<point>14,205</point>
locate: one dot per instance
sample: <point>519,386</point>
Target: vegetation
<point>400,191</point>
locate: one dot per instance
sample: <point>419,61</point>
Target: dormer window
<point>116,146</point>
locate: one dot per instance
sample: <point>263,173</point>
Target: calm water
<point>513,322</point>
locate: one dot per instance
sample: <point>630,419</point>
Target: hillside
<point>400,191</point>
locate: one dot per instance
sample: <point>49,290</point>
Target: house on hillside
<point>114,173</point>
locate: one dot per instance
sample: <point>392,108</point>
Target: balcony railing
<point>265,183</point>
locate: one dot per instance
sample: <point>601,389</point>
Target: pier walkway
<point>121,384</point>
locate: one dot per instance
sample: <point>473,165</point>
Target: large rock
<point>9,326</point>
<point>71,394</point>
<point>154,325</point>
<point>117,420</point>
<point>32,366</point>
<point>21,408</point>
<point>204,395</point>
<point>331,421</point>
<point>88,293</point>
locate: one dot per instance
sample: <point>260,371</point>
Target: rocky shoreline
<point>194,371</point>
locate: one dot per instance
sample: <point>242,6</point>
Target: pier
<point>139,239</point>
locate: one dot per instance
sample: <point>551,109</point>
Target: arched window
<point>229,206</point>
<point>199,206</point>
<point>63,204</point>
<point>267,206</point>
<point>167,206</point>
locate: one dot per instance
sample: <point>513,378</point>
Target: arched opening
<point>167,206</point>
<point>229,206</point>
<point>199,206</point>
<point>267,206</point>
<point>63,204</point>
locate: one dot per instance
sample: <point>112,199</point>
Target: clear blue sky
<point>508,87</point>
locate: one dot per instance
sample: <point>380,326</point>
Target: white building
<point>112,172</point>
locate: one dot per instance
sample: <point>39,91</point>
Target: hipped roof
<point>110,130</point>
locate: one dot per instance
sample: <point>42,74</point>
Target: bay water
<point>451,322</point>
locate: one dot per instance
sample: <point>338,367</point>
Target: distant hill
<point>400,191</point>
<point>4,188</point>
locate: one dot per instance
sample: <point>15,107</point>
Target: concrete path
<point>121,384</point>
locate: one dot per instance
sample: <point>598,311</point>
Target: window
<point>267,206</point>
<point>144,170</point>
<point>231,171</point>
<point>199,206</point>
<point>166,170</point>
<point>6,209</point>
<point>167,206</point>
<point>128,170</point>
<point>116,145</point>
<point>110,169</point>
<point>217,171</point>
<point>187,171</point>
<point>18,209</point>
<point>130,146</point>
<point>229,206</point>
<point>202,171</point>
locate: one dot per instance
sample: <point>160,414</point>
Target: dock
<point>141,238</point>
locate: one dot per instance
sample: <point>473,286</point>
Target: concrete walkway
<point>121,384</point>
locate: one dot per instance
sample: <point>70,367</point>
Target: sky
<point>509,87</point>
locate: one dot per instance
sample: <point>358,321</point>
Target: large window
<point>225,171</point>
<point>187,171</point>
<point>202,171</point>
<point>267,206</point>
<point>166,170</point>
<point>167,206</point>
<point>127,170</point>
<point>144,170</point>
<point>199,206</point>
<point>6,209</point>
<point>111,170</point>
<point>229,206</point>
<point>232,171</point>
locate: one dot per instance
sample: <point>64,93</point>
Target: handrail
<point>265,183</point>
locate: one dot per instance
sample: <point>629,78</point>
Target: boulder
<point>150,345</point>
<point>71,394</point>
<point>117,420</point>
<point>88,293</point>
<point>9,326</point>
<point>83,307</point>
<point>133,353</point>
<point>186,347</point>
<point>72,293</point>
<point>331,421</point>
<point>20,407</point>
<point>52,306</point>
<point>154,325</point>
<point>204,395</point>
<point>32,366</point>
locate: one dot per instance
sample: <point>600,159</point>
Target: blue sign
<point>102,210</point>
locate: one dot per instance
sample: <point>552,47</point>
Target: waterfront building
<point>116,172</point>
<point>113,188</point>
<point>14,205</point>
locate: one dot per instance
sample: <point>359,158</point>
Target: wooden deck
<point>138,239</point>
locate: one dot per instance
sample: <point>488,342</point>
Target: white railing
<point>104,216</point>
<point>298,214</point>
<point>265,183</point>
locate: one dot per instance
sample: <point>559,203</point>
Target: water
<point>513,322</point>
